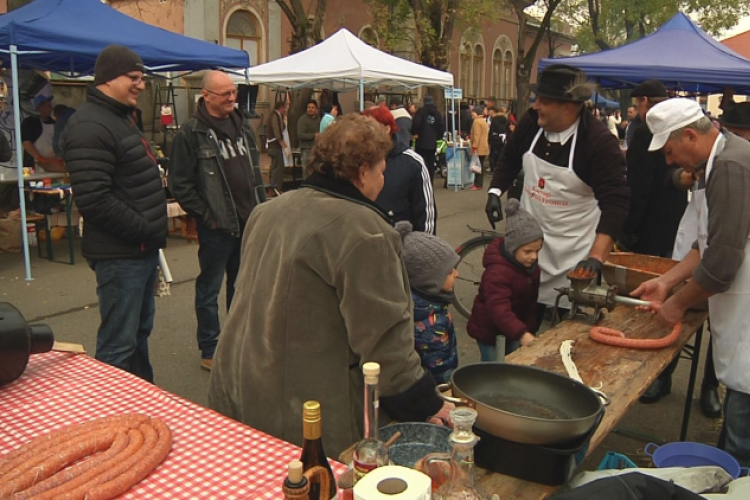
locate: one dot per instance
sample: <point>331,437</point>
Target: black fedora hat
<point>736,115</point>
<point>563,83</point>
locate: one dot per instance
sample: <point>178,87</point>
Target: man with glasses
<point>215,177</point>
<point>120,195</point>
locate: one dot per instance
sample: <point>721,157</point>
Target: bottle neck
<point>463,455</point>
<point>311,430</point>
<point>371,411</point>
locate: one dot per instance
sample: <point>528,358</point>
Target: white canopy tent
<point>343,62</point>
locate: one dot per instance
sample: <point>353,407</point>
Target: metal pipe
<point>632,302</point>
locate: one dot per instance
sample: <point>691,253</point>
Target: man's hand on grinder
<point>494,209</point>
<point>589,266</point>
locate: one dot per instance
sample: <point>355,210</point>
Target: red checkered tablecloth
<point>212,456</point>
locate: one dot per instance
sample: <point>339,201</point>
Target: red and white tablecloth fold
<point>212,457</point>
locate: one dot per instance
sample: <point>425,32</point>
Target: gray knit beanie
<point>428,259</point>
<point>520,227</point>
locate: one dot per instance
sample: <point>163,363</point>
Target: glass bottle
<point>370,453</point>
<point>312,448</point>
<point>461,484</point>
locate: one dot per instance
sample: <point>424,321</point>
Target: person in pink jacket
<point>507,300</point>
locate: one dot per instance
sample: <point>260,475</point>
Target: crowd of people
<point>348,268</point>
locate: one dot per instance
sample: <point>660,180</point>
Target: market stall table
<point>624,373</point>
<point>64,193</point>
<point>212,456</point>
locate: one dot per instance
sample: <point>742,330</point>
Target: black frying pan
<point>525,404</point>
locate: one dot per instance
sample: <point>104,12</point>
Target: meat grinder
<point>585,292</point>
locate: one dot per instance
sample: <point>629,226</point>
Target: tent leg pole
<point>453,135</point>
<point>361,94</point>
<point>19,158</point>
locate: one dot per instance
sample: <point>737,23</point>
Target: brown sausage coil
<point>100,459</point>
<point>610,336</point>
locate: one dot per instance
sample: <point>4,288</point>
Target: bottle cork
<point>294,472</point>
<point>371,371</point>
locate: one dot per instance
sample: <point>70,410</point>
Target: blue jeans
<point>218,254</point>
<point>488,353</point>
<point>125,288</point>
<point>735,432</point>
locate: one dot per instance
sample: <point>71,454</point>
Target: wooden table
<point>624,373</point>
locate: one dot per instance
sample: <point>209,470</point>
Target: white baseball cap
<point>670,115</point>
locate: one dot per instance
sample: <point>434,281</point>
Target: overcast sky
<point>743,26</point>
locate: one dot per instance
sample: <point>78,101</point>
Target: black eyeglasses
<point>226,94</point>
<point>136,79</point>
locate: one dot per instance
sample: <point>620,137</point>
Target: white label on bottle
<point>376,403</point>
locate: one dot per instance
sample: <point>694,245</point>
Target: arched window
<point>477,73</point>
<point>507,75</point>
<point>243,34</point>
<point>369,36</point>
<point>465,63</point>
<point>497,74</point>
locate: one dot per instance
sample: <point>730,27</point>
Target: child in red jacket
<point>507,300</point>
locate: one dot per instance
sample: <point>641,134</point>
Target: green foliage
<point>425,27</point>
<point>601,24</point>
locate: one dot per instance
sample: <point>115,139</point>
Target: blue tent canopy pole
<point>19,158</point>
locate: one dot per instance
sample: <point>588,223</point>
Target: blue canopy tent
<point>66,36</point>
<point>679,54</point>
<point>602,102</point>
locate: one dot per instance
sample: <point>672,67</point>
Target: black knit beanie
<point>113,61</point>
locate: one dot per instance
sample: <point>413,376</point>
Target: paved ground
<point>64,297</point>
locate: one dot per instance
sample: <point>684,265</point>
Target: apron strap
<point>572,150</point>
<point>536,138</point>
<point>572,146</point>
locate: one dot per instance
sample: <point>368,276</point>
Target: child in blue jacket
<point>431,265</point>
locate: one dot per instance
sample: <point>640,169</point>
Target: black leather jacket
<point>197,179</point>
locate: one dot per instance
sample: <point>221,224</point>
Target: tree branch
<point>288,11</point>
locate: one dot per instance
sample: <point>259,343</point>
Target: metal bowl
<point>417,440</point>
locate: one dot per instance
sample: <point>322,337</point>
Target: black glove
<point>493,209</point>
<point>626,243</point>
<point>590,266</point>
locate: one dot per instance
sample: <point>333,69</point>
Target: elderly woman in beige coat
<point>321,290</point>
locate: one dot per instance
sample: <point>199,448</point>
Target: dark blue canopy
<point>603,102</point>
<point>69,34</point>
<point>679,54</point>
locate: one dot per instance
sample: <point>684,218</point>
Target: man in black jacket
<point>216,178</point>
<point>429,127</point>
<point>120,195</point>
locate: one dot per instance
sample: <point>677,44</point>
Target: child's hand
<point>527,339</point>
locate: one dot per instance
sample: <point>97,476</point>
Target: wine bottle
<point>370,453</point>
<point>312,448</point>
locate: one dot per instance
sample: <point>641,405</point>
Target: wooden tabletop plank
<point>624,373</point>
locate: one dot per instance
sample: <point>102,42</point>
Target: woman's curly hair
<point>346,145</point>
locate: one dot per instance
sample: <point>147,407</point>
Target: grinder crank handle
<point>628,301</point>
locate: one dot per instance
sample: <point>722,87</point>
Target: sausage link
<point>76,488</point>
<point>57,460</point>
<point>61,436</point>
<point>140,470</point>
<point>119,444</point>
<point>118,471</point>
<point>28,461</point>
<point>616,338</point>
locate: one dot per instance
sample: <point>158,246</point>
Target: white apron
<point>568,213</point>
<point>687,231</point>
<point>730,321</point>
<point>44,143</point>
